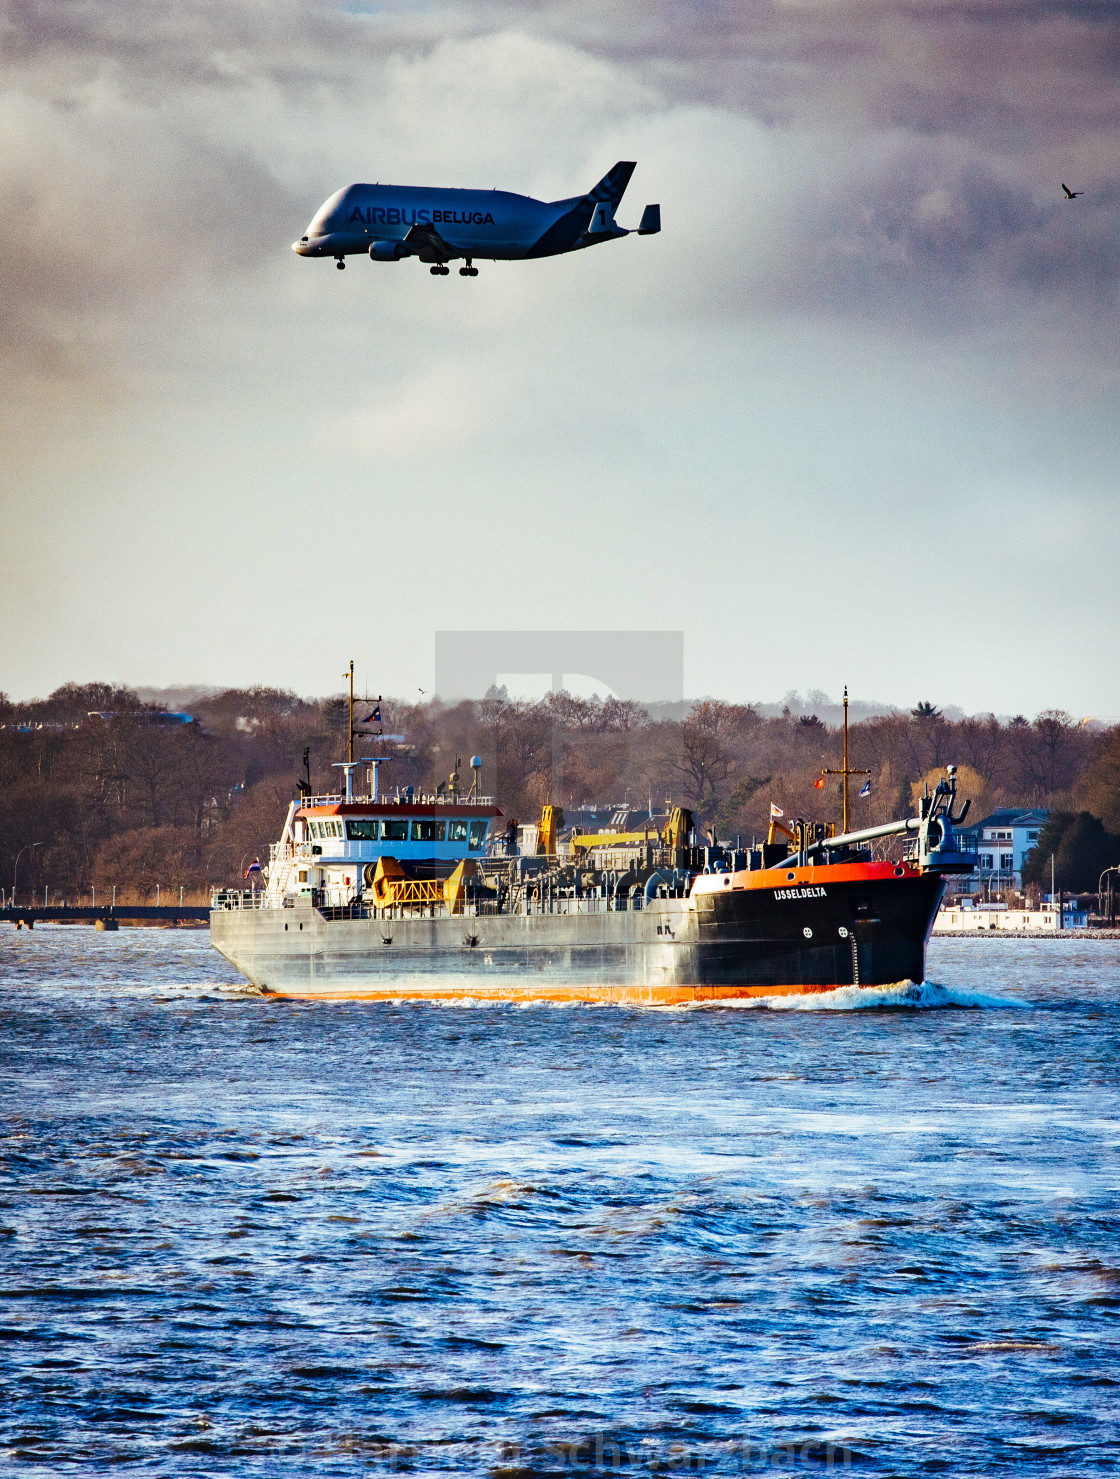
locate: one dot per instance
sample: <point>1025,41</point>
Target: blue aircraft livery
<point>390,222</point>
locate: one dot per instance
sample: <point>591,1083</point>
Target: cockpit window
<point>426,830</point>
<point>325,829</point>
<point>478,835</point>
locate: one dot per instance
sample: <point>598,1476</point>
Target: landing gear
<point>441,269</point>
<point>468,270</point>
<point>339,263</point>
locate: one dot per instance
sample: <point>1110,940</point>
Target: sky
<point>851,417</point>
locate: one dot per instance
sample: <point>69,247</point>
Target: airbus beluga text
<point>439,226</point>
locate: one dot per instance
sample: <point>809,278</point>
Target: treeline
<point>134,802</point>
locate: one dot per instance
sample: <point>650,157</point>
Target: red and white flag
<point>776,811</point>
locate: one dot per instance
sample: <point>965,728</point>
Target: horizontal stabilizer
<point>651,221</point>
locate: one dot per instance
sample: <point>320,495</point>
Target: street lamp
<point>1114,869</point>
<point>15,870</point>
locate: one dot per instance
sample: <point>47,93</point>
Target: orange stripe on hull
<point>590,995</point>
<point>786,874</point>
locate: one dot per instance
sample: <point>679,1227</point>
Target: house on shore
<point>1001,841</point>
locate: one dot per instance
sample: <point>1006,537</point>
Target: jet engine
<point>385,251</point>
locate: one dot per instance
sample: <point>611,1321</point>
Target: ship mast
<point>846,769</point>
<point>350,743</point>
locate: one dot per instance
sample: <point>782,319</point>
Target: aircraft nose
<point>302,247</point>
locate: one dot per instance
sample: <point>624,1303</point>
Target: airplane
<point>391,222</point>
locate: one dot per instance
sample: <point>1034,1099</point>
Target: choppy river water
<point>256,1237</point>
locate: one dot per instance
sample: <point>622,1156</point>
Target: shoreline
<point>1006,934</point>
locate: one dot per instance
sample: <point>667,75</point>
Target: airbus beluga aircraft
<point>390,222</point>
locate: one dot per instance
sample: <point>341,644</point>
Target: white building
<point>962,919</point>
<point>1002,842</point>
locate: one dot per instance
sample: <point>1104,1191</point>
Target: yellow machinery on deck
<point>675,834</point>
<point>391,886</point>
<point>552,819</point>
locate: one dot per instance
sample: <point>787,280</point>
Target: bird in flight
<point>1072,194</point>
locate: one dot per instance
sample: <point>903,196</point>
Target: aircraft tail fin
<point>611,187</point>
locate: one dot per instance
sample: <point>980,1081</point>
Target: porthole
<point>791,876</point>
<point>807,932</point>
<point>899,871</point>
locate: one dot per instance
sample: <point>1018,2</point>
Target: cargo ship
<point>429,897</point>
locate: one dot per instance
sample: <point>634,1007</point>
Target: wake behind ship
<point>419,897</point>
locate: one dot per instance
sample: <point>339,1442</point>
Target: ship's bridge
<point>331,845</point>
<point>330,829</point>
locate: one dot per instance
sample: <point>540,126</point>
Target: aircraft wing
<point>423,239</point>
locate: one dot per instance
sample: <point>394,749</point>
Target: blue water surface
<point>255,1237</point>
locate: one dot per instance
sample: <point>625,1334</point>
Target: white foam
<point>914,995</point>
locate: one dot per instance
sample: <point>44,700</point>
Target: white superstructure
<point>330,846</point>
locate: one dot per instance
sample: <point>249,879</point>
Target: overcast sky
<point>852,416</point>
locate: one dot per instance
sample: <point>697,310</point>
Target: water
<point>261,1238</point>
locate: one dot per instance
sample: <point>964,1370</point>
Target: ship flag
<point>865,789</point>
<point>254,867</point>
<point>776,811</point>
<point>819,783</point>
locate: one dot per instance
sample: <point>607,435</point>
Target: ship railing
<point>242,898</point>
<point>336,798</point>
<point>289,852</point>
<point>485,908</point>
<point>425,904</point>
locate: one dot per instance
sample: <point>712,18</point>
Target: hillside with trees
<point>118,795</point>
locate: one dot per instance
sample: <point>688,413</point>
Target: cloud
<point>443,409</point>
<point>863,157</point>
<point>868,286</point>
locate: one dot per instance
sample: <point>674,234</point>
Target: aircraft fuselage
<point>390,222</point>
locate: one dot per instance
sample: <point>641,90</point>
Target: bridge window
<point>428,830</point>
<point>393,831</point>
<point>478,835</point>
<point>363,831</point>
<point>457,830</point>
